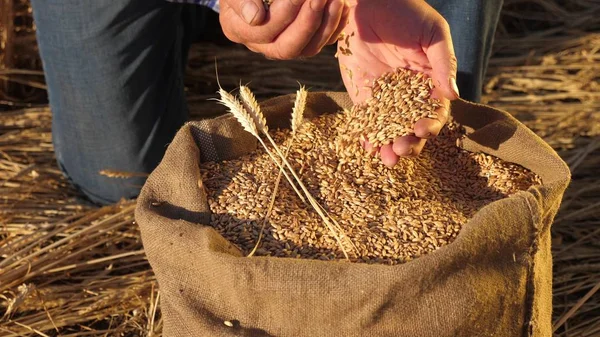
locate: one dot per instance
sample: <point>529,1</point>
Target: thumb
<point>440,53</point>
<point>252,12</point>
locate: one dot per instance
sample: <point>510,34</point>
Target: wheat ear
<point>298,110</point>
<point>248,123</point>
<point>252,106</point>
<point>238,111</point>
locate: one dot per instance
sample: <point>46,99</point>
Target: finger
<point>251,11</point>
<point>429,128</point>
<point>292,41</point>
<point>341,25</point>
<point>332,14</point>
<point>388,157</point>
<point>280,15</point>
<point>418,148</point>
<point>228,18</point>
<point>438,47</point>
<point>406,146</point>
<point>444,110</point>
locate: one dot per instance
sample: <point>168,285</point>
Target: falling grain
<point>398,100</point>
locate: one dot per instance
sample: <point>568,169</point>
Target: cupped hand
<point>288,29</point>
<point>383,35</point>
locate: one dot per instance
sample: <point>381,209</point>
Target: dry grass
<point>545,70</point>
<point>21,81</point>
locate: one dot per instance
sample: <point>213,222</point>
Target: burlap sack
<point>493,280</point>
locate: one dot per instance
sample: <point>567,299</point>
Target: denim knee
<point>102,186</point>
<point>114,70</point>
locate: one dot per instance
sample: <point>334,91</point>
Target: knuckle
<point>239,32</point>
<point>263,38</point>
<point>232,37</point>
<point>443,23</point>
<point>310,51</point>
<point>228,29</point>
<point>260,35</point>
<point>288,18</point>
<point>286,53</point>
<point>297,2</point>
<point>271,55</point>
<point>253,48</point>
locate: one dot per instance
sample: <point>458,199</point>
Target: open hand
<point>289,29</point>
<point>387,34</point>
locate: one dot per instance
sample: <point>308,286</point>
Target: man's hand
<point>289,29</point>
<point>388,34</point>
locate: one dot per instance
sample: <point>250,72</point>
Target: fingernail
<point>249,11</point>
<point>454,86</point>
<point>410,151</point>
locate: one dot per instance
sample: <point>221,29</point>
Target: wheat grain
<point>392,215</point>
<point>382,215</point>
<point>398,100</point>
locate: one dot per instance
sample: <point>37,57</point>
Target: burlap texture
<point>495,279</point>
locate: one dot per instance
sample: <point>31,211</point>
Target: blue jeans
<point>472,25</point>
<point>114,70</point>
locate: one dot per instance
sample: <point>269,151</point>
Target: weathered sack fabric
<point>495,279</point>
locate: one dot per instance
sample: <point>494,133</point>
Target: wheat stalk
<point>331,224</point>
<point>121,174</point>
<point>333,227</point>
<point>267,214</point>
<point>296,122</point>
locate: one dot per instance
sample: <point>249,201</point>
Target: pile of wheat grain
<point>348,203</point>
<point>391,215</point>
<point>398,100</point>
